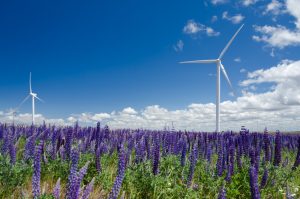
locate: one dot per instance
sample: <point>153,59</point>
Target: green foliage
<point>13,177</point>
<point>46,196</point>
<point>55,169</point>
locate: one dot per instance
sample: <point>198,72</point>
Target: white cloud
<point>25,118</point>
<point>248,2</point>
<point>238,59</point>
<point>236,19</point>
<point>276,108</point>
<point>179,46</point>
<point>192,28</point>
<point>88,117</point>
<point>275,7</point>
<point>293,7</point>
<point>211,32</point>
<point>129,111</point>
<point>243,70</point>
<point>216,2</point>
<point>278,36</point>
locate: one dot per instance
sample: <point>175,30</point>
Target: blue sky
<point>96,57</point>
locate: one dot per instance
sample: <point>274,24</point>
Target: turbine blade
<point>226,76</point>
<point>229,43</point>
<point>39,98</point>
<point>24,100</point>
<point>30,90</point>
<point>199,61</point>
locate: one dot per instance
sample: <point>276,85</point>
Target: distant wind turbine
<point>33,96</point>
<point>13,113</point>
<point>219,66</point>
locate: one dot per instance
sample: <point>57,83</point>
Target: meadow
<point>97,162</point>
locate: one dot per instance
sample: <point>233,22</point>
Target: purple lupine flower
<point>219,165</point>
<point>68,143</point>
<point>208,153</point>
<point>36,189</point>
<point>56,190</point>
<point>231,157</point>
<point>74,160</point>
<point>222,193</point>
<point>62,152</point>
<point>98,138</point>
<point>73,172</point>
<point>1,131</point>
<point>147,145</point>
<point>88,189</point>
<point>267,146</point>
<point>257,158</point>
<point>75,189</point>
<point>277,158</point>
<point>120,176</point>
<point>297,161</point>
<point>228,174</point>
<point>193,161</point>
<point>264,179</point>
<point>139,151</point>
<point>12,153</point>
<point>252,156</point>
<point>183,152</point>
<point>156,154</point>
<point>253,183</point>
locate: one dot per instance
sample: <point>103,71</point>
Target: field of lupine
<point>96,162</point>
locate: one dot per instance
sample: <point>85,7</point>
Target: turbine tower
<point>220,66</point>
<point>33,96</point>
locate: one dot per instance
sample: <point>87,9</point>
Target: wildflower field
<point>96,162</point>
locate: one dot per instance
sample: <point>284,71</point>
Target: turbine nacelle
<point>33,94</point>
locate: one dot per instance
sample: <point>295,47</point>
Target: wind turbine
<point>12,112</point>
<point>33,96</point>
<point>220,66</point>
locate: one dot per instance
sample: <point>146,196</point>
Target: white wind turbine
<point>33,96</point>
<point>219,66</point>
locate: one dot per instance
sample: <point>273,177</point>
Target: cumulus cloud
<point>293,7</point>
<point>280,36</point>
<point>275,7</point>
<point>129,111</point>
<point>192,28</point>
<point>236,19</point>
<point>26,118</point>
<point>277,36</point>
